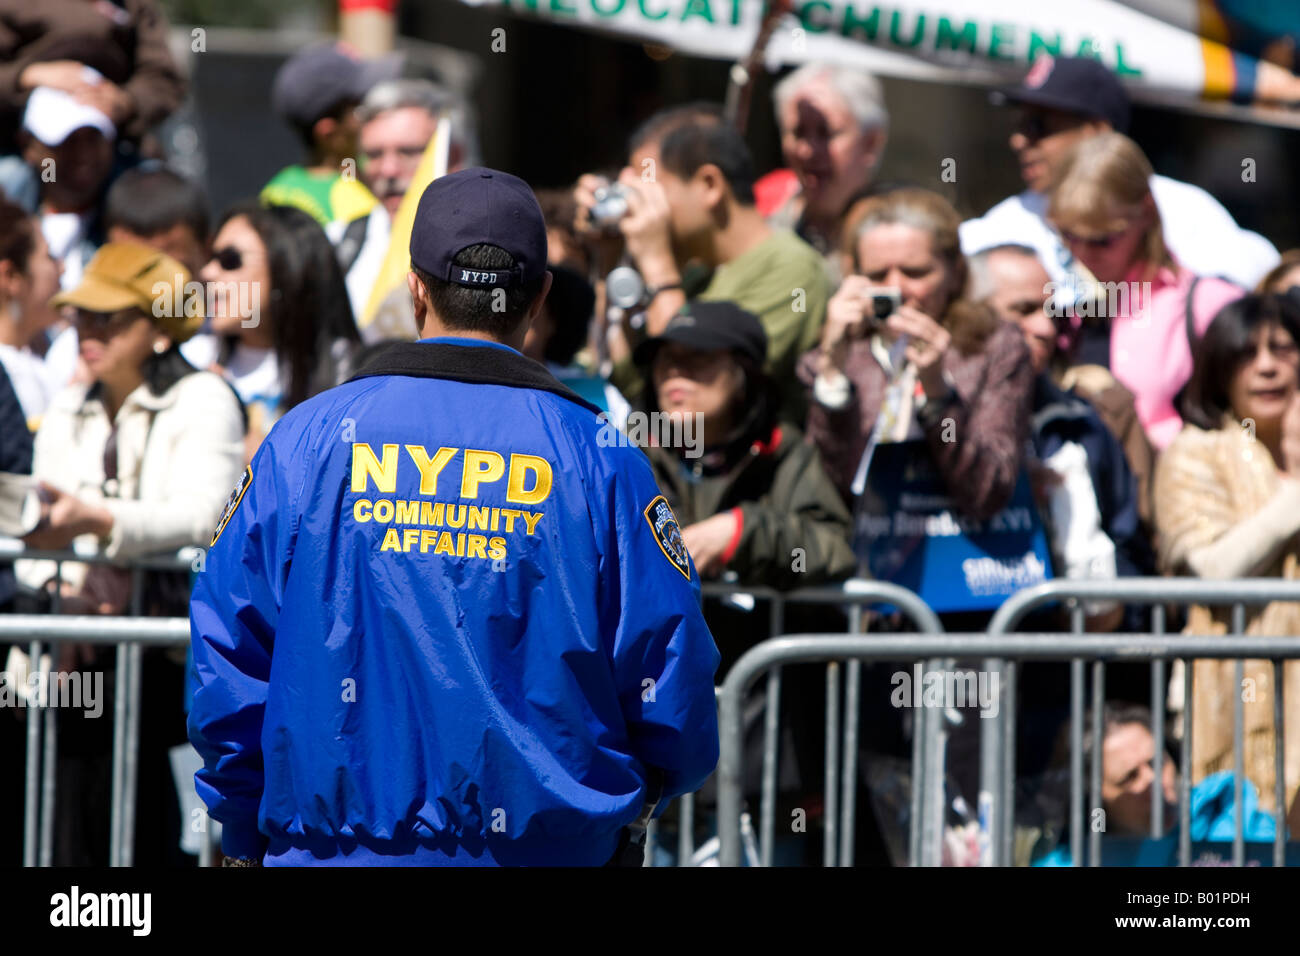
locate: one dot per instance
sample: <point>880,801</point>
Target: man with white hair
<point>834,126</point>
<point>397,119</point>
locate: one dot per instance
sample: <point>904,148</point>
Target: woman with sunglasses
<point>139,461</point>
<point>1140,318</point>
<point>279,308</point>
<point>142,458</point>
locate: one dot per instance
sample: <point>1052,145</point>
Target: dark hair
<point>660,124</point>
<point>1114,714</point>
<point>307,131</point>
<point>570,304</point>
<point>688,147</point>
<point>1224,346</point>
<point>17,234</point>
<point>150,200</point>
<point>162,371</point>
<point>310,309</point>
<point>472,309</point>
<point>559,209</point>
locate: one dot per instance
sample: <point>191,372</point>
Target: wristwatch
<point>934,407</point>
<point>653,291</point>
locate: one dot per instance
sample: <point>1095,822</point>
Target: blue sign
<point>908,532</point>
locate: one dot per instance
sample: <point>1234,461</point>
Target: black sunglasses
<point>229,258</point>
<point>103,323</point>
<point>1036,124</point>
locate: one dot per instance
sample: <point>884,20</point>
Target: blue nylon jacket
<point>445,620</point>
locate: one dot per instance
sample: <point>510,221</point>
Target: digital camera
<point>885,301</point>
<point>610,206</point>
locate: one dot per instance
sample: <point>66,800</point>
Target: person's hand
<point>70,77</point>
<point>846,320</point>
<point>66,75</point>
<point>928,343</point>
<point>64,517</point>
<point>607,245</point>
<point>708,540</point>
<point>1291,437</point>
<point>584,196</point>
<point>109,98</point>
<point>647,229</point>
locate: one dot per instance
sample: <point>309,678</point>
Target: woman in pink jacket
<point>1139,318</point>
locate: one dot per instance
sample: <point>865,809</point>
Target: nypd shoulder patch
<point>232,502</point>
<point>668,534</point>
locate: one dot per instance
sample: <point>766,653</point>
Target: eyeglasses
<point>103,324</point>
<point>1035,124</point>
<point>1104,241</point>
<point>229,258</point>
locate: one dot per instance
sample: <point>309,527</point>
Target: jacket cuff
<point>243,841</point>
<point>833,391</point>
<point>730,552</point>
<point>122,539</point>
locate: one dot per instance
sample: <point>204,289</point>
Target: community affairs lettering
<point>480,531</point>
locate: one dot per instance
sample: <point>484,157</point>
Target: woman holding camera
<point>905,356</point>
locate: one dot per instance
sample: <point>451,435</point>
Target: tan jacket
<point>1222,512</point>
<point>179,456</point>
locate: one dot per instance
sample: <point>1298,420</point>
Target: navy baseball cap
<point>710,327</point>
<point>479,206</point>
<point>312,82</point>
<point>1075,84</point>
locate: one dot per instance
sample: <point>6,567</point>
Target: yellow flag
<point>397,260</point>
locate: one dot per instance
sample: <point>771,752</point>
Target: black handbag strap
<point>1189,314</point>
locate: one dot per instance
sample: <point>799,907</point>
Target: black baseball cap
<point>709,327</point>
<point>312,82</point>
<point>479,206</point>
<point>1075,84</point>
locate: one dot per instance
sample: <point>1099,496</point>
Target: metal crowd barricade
<point>840,787</point>
<point>130,634</point>
<point>997,759</point>
<point>926,832</point>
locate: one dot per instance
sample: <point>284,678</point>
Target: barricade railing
<point>840,790</point>
<point>130,634</point>
<point>997,760</point>
<point>998,734</point>
<point>926,830</point>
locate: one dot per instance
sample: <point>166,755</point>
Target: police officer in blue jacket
<point>444,618</point>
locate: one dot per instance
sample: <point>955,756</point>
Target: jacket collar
<point>733,459</point>
<point>1052,403</point>
<point>479,364</point>
<point>141,397</point>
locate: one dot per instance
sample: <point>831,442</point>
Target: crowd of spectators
<point>1109,336</point>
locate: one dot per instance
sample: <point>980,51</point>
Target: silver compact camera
<point>610,205</point>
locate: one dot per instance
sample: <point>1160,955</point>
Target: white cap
<point>53,115</point>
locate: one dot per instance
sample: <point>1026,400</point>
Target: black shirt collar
<point>467,363</point>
